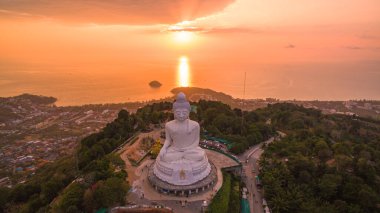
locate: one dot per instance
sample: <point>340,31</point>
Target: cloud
<point>362,48</point>
<point>232,30</point>
<point>186,29</point>
<point>290,46</point>
<point>368,37</point>
<point>210,30</point>
<point>353,47</point>
<point>191,27</point>
<point>113,11</point>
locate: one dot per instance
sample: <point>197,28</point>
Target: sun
<point>183,36</point>
<point>183,32</point>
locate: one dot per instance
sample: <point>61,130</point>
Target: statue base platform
<point>182,172</point>
<point>183,190</point>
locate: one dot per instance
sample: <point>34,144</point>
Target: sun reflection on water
<point>183,72</point>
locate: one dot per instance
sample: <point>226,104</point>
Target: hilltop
<point>320,160</point>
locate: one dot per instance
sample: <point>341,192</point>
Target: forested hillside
<point>327,163</point>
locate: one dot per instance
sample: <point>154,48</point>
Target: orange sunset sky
<point>305,49</point>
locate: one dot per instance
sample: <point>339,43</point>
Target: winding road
<point>250,169</point>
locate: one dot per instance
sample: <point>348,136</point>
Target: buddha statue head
<point>181,107</point>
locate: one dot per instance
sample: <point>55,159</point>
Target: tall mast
<point>243,102</point>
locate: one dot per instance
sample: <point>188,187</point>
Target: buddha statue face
<point>181,114</point>
<point>181,107</point>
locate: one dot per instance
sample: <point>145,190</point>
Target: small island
<point>155,84</point>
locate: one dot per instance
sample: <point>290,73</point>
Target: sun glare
<point>183,72</point>
<point>183,36</point>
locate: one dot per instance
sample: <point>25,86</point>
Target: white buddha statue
<point>181,161</point>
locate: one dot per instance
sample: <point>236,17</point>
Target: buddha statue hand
<point>163,151</point>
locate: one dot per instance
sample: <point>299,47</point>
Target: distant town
<point>34,131</point>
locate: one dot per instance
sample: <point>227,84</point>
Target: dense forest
<point>327,163</point>
<point>243,129</point>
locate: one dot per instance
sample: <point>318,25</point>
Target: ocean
<point>83,84</point>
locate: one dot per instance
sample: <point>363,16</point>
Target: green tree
<point>5,194</point>
<point>22,192</point>
<point>88,200</point>
<point>329,185</point>
<point>368,197</point>
<point>72,197</point>
<point>110,192</point>
<point>50,189</point>
<point>220,202</point>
